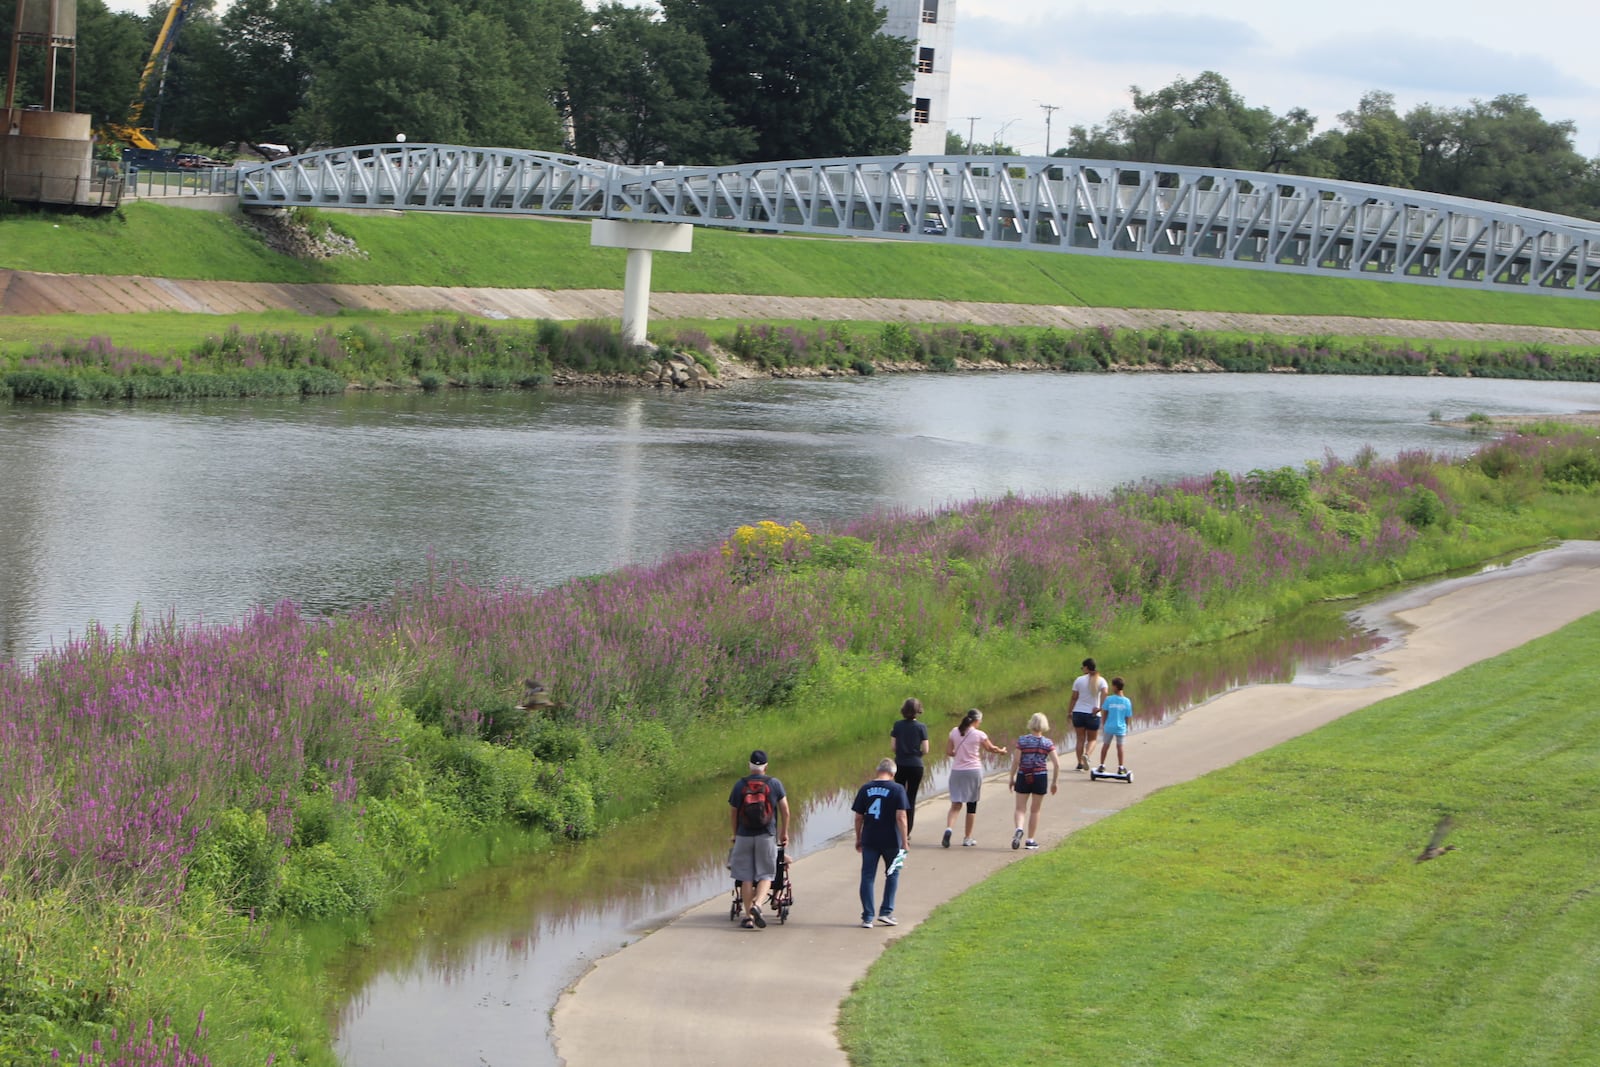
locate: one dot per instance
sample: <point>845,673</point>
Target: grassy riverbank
<point>175,788</point>
<point>419,248</point>
<point>467,354</point>
<point>169,355</point>
<point>1271,912</point>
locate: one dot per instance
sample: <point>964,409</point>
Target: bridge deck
<point>1240,218</point>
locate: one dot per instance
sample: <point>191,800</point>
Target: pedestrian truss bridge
<point>1145,211</point>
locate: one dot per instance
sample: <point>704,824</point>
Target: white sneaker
<point>969,842</point>
<point>866,924</point>
<point>888,920</point>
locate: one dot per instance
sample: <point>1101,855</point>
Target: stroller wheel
<point>733,911</point>
<point>783,916</point>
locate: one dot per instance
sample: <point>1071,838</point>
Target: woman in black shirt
<point>910,745</point>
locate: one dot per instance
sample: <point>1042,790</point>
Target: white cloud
<point>1105,36</point>
<point>1011,55</point>
<point>1446,65</point>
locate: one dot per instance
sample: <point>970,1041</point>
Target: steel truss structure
<point>1136,210</point>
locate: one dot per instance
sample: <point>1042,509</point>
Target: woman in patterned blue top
<point>1035,768</point>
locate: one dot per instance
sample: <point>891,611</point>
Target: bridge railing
<point>1264,221</point>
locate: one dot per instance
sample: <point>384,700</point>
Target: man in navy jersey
<point>880,808</point>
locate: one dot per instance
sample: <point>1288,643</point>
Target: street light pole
<point>994,149</point>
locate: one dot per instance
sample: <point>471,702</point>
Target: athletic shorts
<point>965,786</point>
<point>1033,782</point>
<point>754,858</point>
<point>1086,720</point>
<point>1117,733</point>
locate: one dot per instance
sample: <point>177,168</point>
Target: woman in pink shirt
<point>965,747</point>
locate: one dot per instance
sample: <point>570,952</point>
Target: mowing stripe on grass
<point>1273,911</point>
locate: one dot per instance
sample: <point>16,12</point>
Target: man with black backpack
<point>756,804</point>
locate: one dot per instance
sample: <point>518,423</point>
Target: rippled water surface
<point>206,509</point>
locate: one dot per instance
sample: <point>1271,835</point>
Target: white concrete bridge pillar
<point>642,240</point>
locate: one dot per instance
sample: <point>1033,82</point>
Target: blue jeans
<point>870,857</point>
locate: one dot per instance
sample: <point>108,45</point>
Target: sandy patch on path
<point>699,991</point>
<point>34,293</point>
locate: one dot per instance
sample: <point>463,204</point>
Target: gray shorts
<point>755,858</point>
<point>965,786</point>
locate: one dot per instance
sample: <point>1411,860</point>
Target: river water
<point>207,509</point>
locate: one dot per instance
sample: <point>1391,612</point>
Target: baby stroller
<point>779,899</point>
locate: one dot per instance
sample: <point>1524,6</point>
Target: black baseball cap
<point>758,758</point>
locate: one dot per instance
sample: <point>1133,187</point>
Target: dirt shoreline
<point>699,991</point>
<point>36,293</point>
<point>1497,423</point>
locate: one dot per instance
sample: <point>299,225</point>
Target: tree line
<point>697,82</point>
<point>726,81</point>
<point>1502,150</point>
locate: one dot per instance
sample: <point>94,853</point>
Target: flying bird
<point>1436,846</point>
<point>534,695</point>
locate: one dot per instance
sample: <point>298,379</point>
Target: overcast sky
<point>1013,55</point>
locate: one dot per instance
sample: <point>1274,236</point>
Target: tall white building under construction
<point>931,25</point>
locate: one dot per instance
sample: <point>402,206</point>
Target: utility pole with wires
<point>972,126</point>
<point>1049,109</point>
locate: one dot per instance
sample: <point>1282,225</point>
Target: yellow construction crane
<point>132,131</point>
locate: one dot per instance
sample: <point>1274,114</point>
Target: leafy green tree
<point>811,78</point>
<point>1504,151</point>
<point>638,92</point>
<point>1201,122</point>
<point>1198,122</point>
<point>246,74</point>
<point>111,50</point>
<point>1289,143</point>
<point>1377,148</point>
<point>1096,142</point>
<point>478,72</point>
<point>186,95</point>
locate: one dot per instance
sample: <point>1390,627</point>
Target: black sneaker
<point>945,843</point>
<point>1016,840</point>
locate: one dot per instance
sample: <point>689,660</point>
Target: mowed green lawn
<point>1273,912</point>
<point>419,248</point>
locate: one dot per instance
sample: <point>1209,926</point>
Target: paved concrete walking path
<point>699,991</point>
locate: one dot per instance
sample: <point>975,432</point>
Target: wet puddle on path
<point>470,974</point>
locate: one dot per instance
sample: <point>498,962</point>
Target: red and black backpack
<point>755,805</point>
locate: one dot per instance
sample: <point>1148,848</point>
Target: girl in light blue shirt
<point>1117,709</point>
